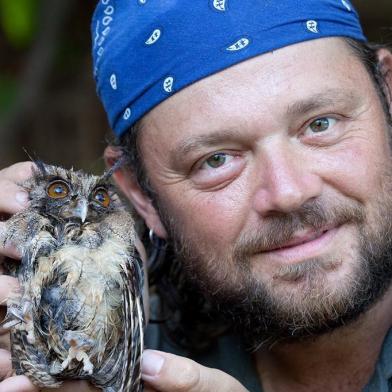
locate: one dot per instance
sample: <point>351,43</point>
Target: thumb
<point>171,373</point>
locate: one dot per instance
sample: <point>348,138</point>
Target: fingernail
<point>152,363</point>
<point>22,198</point>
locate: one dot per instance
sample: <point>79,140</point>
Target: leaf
<point>18,20</point>
<point>8,88</point>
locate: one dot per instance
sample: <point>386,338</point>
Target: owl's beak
<point>81,209</point>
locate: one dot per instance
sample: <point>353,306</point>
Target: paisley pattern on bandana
<point>146,50</point>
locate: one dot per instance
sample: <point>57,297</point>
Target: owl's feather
<point>81,284</point>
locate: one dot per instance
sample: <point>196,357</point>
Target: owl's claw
<point>9,322</point>
<point>79,344</point>
<point>14,317</point>
<point>56,368</point>
<point>88,367</point>
<point>81,356</point>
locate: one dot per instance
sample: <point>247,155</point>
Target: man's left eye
<point>216,160</point>
<point>321,124</point>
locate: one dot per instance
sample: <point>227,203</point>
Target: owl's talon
<point>65,363</point>
<point>30,336</point>
<point>17,314</point>
<point>56,368</point>
<point>9,323</point>
<point>87,365</point>
<point>80,356</point>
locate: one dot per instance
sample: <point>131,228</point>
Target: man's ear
<point>127,182</point>
<point>385,65</point>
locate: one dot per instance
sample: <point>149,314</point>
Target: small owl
<point>79,312</point>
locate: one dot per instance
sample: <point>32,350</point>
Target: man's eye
<point>321,124</point>
<point>215,161</point>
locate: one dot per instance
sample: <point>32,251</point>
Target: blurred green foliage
<point>8,88</point>
<point>18,19</point>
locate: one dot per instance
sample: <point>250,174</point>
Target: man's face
<point>273,180</point>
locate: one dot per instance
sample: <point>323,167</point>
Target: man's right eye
<point>217,169</point>
<point>321,124</point>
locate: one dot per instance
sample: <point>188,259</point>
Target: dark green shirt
<point>229,355</point>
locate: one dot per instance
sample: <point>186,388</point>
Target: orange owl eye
<point>57,190</point>
<point>102,197</point>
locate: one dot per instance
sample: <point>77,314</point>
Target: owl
<point>79,311</point>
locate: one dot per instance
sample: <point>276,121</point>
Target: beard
<point>298,301</point>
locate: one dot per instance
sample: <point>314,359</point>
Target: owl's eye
<point>102,197</point>
<point>57,190</point>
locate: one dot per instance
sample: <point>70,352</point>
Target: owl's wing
<point>133,325</point>
<point>122,368</point>
<point>26,230</point>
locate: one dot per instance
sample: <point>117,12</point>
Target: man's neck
<point>343,360</point>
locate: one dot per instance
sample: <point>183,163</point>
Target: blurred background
<point>48,105</point>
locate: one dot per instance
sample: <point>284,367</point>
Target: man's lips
<point>301,239</point>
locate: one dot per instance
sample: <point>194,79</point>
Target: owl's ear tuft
<point>115,164</point>
<point>37,162</point>
<point>41,167</point>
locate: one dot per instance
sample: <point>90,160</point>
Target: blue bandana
<point>146,50</point>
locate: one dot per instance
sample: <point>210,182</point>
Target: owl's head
<point>70,196</point>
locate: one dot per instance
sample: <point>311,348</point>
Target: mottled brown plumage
<point>79,313</point>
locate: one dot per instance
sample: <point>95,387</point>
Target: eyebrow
<point>326,98</point>
<point>211,139</point>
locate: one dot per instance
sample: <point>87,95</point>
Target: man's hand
<point>13,199</point>
<point>165,372</point>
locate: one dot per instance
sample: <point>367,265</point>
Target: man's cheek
<point>355,168</point>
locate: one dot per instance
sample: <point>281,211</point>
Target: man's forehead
<point>147,51</point>
<point>291,80</point>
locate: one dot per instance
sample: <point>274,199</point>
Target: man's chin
<point>308,316</point>
<point>316,270</point>
<point>304,300</point>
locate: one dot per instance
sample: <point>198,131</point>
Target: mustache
<point>280,228</point>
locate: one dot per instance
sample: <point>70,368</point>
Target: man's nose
<point>288,179</point>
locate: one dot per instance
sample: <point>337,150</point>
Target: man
<point>258,135</point>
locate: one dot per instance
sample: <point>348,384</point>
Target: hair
<point>187,318</point>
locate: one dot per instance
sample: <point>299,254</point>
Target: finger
<point>148,389</point>
<point>13,198</point>
<point>8,286</point>
<point>17,384</point>
<point>5,341</point>
<point>5,364</point>
<point>18,172</point>
<point>7,249</point>
<point>171,373</point>
<point>23,384</point>
<point>73,386</point>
